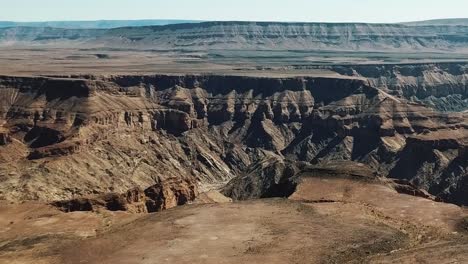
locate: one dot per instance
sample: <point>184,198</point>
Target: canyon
<point>364,160</point>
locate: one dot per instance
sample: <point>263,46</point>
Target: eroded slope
<point>64,138</point>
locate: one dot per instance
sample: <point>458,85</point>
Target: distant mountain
<point>253,36</point>
<point>108,24</point>
<point>98,24</point>
<point>440,22</point>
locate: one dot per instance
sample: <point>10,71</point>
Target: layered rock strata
<point>82,136</point>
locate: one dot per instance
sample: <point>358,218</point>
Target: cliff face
<point>257,35</point>
<point>442,86</point>
<point>64,138</point>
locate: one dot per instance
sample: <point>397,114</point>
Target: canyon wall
<point>443,86</point>
<point>84,136</point>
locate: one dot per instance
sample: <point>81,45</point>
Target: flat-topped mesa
<point>236,35</point>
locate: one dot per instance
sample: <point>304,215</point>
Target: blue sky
<point>258,10</point>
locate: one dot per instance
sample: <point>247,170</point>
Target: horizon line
<point>224,20</point>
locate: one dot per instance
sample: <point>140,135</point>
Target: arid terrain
<point>347,217</point>
<point>235,142</point>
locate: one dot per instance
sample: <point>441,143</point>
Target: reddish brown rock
<point>155,198</point>
<point>169,194</point>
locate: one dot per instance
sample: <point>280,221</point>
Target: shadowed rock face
<point>81,136</point>
<point>4,138</point>
<point>442,86</point>
<point>271,177</point>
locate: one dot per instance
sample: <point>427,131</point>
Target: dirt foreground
<point>324,221</point>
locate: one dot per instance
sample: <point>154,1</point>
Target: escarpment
<point>82,136</point>
<point>237,35</point>
<point>442,86</point>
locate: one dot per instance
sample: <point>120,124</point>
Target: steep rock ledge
<point>443,86</point>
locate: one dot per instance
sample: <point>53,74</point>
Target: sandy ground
<point>325,221</point>
<point>30,60</point>
<point>269,231</point>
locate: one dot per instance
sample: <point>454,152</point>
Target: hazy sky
<point>258,10</point>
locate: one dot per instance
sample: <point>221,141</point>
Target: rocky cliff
<point>85,136</point>
<point>443,86</point>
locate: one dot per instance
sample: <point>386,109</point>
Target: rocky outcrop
<point>270,177</point>
<point>155,198</point>
<point>131,201</point>
<point>406,187</point>
<point>169,194</point>
<point>174,121</point>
